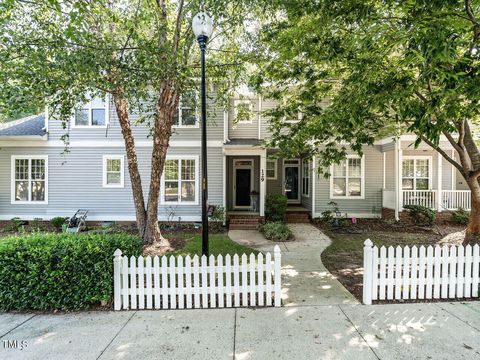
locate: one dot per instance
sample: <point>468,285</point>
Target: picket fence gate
<point>178,283</point>
<point>433,272</point>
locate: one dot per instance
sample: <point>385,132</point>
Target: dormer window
<point>92,114</point>
<point>187,114</point>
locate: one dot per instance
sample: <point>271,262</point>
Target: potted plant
<point>254,200</point>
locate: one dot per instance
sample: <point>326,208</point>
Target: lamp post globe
<point>202,26</point>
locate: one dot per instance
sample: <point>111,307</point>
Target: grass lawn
<point>191,244</point>
<point>344,257</point>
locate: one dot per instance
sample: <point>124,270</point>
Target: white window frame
<point>197,180</point>
<point>88,107</point>
<point>362,180</point>
<point>414,178</point>
<point>179,112</point>
<point>12,179</point>
<point>122,171</point>
<point>274,161</point>
<point>237,102</point>
<point>308,177</point>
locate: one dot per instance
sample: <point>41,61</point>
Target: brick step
<point>297,217</point>
<point>243,227</point>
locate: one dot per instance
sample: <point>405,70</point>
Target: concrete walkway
<point>305,280</point>
<point>404,331</point>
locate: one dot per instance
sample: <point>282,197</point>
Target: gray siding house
<point>39,180</point>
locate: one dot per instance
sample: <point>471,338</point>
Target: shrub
<point>59,271</point>
<point>57,222</point>
<point>460,216</point>
<point>217,218</point>
<point>421,215</point>
<point>16,225</point>
<point>275,207</point>
<point>276,231</point>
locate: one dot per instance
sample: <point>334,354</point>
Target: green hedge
<point>60,271</point>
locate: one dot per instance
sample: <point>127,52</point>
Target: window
<point>271,169</point>
<point>416,173</point>
<point>306,178</point>
<point>347,178</point>
<point>29,179</point>
<point>243,111</point>
<point>293,120</point>
<point>186,115</point>
<point>113,171</point>
<point>92,114</point>
<point>180,180</point>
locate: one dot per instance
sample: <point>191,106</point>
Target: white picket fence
<point>433,272</point>
<point>172,283</point>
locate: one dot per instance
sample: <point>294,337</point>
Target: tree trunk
<point>472,234</point>
<point>165,108</point>
<point>121,106</point>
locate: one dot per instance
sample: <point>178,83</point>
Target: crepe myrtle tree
<point>386,68</point>
<point>141,52</point>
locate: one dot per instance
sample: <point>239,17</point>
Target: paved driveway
<point>405,331</point>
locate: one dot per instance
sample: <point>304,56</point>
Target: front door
<point>242,183</point>
<point>291,180</point>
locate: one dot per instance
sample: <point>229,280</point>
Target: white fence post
<point>367,271</point>
<point>277,256</point>
<point>117,282</point>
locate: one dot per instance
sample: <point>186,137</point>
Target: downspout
<point>397,178</point>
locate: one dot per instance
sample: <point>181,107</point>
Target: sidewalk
<point>406,331</point>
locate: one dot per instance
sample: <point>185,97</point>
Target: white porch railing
<point>450,199</point>
<point>455,199</point>
<point>427,198</point>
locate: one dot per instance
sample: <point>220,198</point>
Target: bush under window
<point>60,271</point>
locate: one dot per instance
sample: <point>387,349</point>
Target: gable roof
<point>30,126</point>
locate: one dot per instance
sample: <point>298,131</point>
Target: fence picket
<point>375,274</point>
<point>383,262</point>
<point>429,280</point>
<point>244,281</point>
<point>452,280</point>
<point>117,279</point>
<point>125,287</point>
<point>268,278</point>
<point>438,275</point>
<point>196,282</point>
<point>475,277</point>
<point>422,259</point>
<point>406,273</point>
<point>156,281</point>
<point>445,261</point>
<point>398,273</point>
<point>133,283</point>
<point>460,271</point>
<point>164,283</point>
<point>148,276</point>
<point>252,281</point>
<point>211,268</point>
<point>228,280</point>
<point>220,288</point>
<point>413,272</point>
<point>141,283</point>
<point>236,280</point>
<point>203,269</point>
<point>277,257</point>
<point>188,281</point>
<point>468,271</point>
<point>261,292</point>
<point>180,283</point>
<point>391,272</point>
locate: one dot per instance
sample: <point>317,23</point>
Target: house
<point>38,179</point>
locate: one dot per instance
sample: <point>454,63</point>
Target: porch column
<point>398,178</point>
<point>224,184</point>
<point>263,181</point>
<point>439,182</point>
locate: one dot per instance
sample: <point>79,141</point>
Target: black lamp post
<point>202,26</point>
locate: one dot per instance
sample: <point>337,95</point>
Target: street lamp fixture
<point>202,26</point>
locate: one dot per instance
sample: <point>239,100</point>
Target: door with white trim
<point>291,180</point>
<point>242,183</point>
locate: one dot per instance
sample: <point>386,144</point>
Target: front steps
<point>244,221</point>
<point>297,215</point>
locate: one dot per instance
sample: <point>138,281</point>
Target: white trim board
<point>194,218</point>
<point>104,143</point>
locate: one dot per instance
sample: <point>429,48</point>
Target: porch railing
<point>450,199</point>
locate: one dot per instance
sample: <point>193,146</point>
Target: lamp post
<point>202,26</point>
